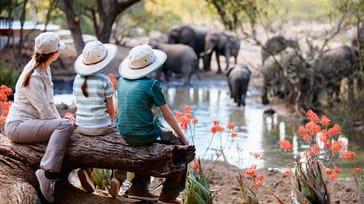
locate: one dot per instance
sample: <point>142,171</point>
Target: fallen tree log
<point>19,162</point>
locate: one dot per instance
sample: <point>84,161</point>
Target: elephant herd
<point>187,45</point>
<point>309,83</point>
<point>286,72</point>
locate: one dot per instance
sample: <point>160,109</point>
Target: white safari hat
<point>48,42</point>
<point>141,61</point>
<point>95,57</point>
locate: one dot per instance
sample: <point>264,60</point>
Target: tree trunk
<point>19,162</point>
<point>73,21</point>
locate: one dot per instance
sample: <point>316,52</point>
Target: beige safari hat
<point>48,42</point>
<point>141,61</point>
<point>95,57</point>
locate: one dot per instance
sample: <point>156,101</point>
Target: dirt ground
<point>223,180</point>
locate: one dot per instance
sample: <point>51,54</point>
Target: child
<point>93,92</point>
<point>33,116</point>
<point>137,94</point>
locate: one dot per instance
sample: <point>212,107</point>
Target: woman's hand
<point>70,117</point>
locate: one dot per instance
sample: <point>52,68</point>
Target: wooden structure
<point>18,163</point>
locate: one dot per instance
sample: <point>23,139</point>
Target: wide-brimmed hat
<point>141,61</point>
<point>95,57</point>
<point>48,42</point>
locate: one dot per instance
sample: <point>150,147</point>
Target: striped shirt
<point>33,101</point>
<point>135,119</point>
<point>92,110</point>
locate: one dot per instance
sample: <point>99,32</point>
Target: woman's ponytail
<point>39,60</point>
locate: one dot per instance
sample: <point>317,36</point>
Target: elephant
<point>331,68</point>
<point>188,35</point>
<point>286,75</point>
<point>275,45</point>
<point>221,43</point>
<point>181,59</point>
<point>238,78</point>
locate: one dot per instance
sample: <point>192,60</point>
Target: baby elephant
<point>238,79</point>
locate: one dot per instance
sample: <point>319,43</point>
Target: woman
<point>33,116</point>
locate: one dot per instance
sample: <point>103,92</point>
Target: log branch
<point>18,163</point>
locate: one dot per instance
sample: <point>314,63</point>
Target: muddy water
<point>256,131</point>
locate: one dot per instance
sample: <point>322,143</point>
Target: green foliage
<point>8,76</point>
<point>101,178</point>
<point>309,183</point>
<point>197,188</point>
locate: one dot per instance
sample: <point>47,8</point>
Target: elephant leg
<point>218,62</point>
<point>265,99</point>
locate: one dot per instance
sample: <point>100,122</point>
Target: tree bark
<point>73,22</point>
<point>19,162</point>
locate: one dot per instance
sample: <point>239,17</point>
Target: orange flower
<point>312,127</point>
<point>231,126</point>
<point>286,145</point>
<point>315,149</point>
<point>194,121</point>
<point>337,169</point>
<point>287,171</point>
<point>187,109</point>
<point>256,155</point>
<point>195,165</point>
<point>257,184</point>
<point>348,155</point>
<point>260,177</point>
<point>325,121</point>
<point>312,116</point>
<point>250,172</point>
<point>328,171</point>
<point>179,116</point>
<point>356,170</point>
<point>336,147</point>
<point>333,177</point>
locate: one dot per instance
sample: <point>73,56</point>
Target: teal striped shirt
<point>136,99</point>
<point>92,110</point>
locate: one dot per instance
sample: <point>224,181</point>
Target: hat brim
<point>126,72</point>
<point>85,70</point>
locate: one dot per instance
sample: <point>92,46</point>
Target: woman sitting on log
<point>137,94</point>
<point>33,116</point>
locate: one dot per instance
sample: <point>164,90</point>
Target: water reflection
<point>257,132</point>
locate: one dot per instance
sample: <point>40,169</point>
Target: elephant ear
<point>229,70</point>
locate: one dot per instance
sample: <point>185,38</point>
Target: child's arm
<point>110,108</point>
<point>171,120</point>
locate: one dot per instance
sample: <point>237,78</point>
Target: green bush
<point>8,76</point>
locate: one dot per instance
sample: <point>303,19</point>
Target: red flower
<point>287,171</point>
<point>187,109</point>
<point>195,165</point>
<point>258,184</point>
<point>312,116</point>
<point>194,121</point>
<point>312,127</point>
<point>260,177</point>
<point>250,172</point>
<point>356,170</point>
<point>348,155</point>
<point>325,121</point>
<point>231,126</point>
<point>328,171</point>
<point>234,134</point>
<point>286,145</point>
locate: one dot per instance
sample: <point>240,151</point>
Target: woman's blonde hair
<point>39,60</point>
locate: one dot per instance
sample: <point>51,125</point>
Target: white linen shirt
<point>33,101</point>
